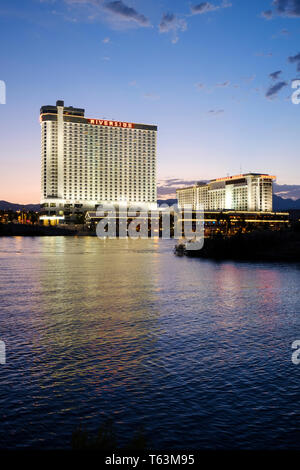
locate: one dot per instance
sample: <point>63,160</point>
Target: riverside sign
<point>102,122</point>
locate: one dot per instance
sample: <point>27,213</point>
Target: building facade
<point>248,192</point>
<point>87,163</point>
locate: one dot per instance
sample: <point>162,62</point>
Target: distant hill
<point>170,202</point>
<point>279,204</point>
<point>5,206</point>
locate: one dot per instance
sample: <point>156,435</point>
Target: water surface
<point>197,351</point>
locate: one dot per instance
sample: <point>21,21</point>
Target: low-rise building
<point>247,192</point>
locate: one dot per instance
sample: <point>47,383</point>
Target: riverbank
<point>267,245</point>
<point>24,230</point>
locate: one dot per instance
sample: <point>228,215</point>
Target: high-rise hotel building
<point>90,162</point>
<point>248,192</point>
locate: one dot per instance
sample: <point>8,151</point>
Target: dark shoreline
<point>22,230</point>
<point>283,245</point>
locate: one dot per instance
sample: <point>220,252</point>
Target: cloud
<point>72,2</point>
<point>250,78</point>
<point>117,9</point>
<point>176,182</point>
<point>223,85</point>
<point>96,3</point>
<point>287,191</point>
<point>275,75</point>
<point>284,32</point>
<point>289,8</point>
<point>274,89</point>
<point>295,60</point>
<point>203,7</point>
<point>206,7</point>
<point>65,17</point>
<point>216,112</point>
<point>210,89</point>
<point>268,14</point>
<point>166,188</point>
<point>151,96</point>
<point>264,54</point>
<point>170,23</point>
<point>124,12</point>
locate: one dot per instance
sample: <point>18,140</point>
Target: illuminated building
<point>87,163</point>
<point>248,192</point>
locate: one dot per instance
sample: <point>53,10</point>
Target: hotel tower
<point>90,162</point>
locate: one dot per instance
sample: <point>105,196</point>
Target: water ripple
<point>198,352</point>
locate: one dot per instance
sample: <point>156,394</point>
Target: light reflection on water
<point>199,352</point>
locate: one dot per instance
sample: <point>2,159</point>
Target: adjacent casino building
<point>250,192</point>
<point>90,162</point>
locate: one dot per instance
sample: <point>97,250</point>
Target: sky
<point>214,76</point>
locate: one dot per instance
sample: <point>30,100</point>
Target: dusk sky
<point>214,76</point>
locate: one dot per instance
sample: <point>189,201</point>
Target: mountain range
<point>5,206</point>
<point>279,204</point>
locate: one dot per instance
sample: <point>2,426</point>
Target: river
<point>198,352</point>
